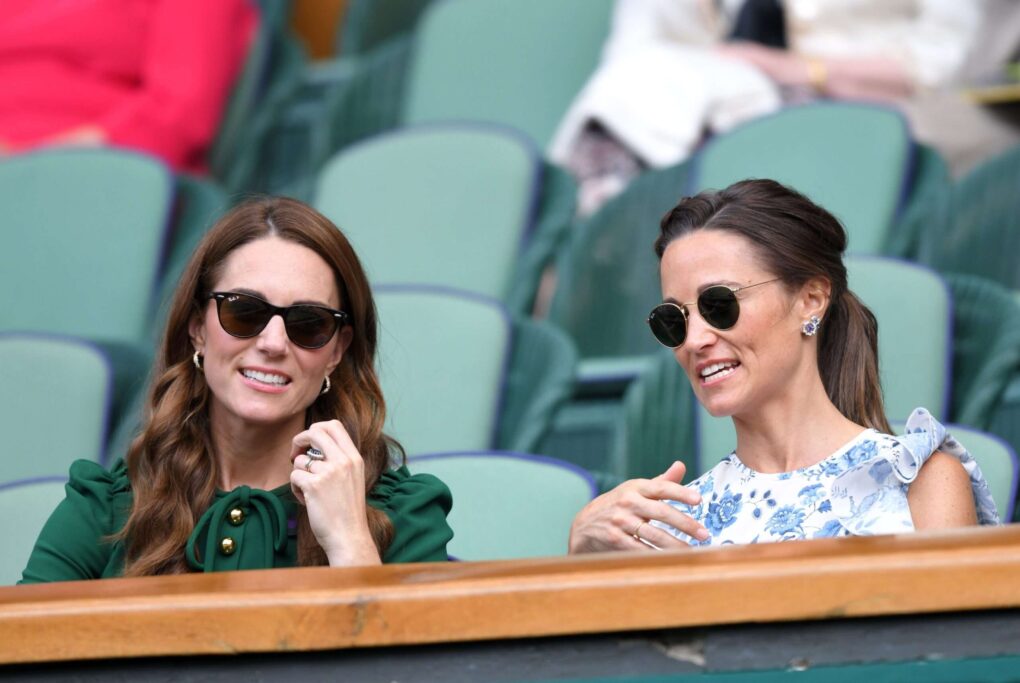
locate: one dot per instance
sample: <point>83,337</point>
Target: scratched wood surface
<point>323,608</point>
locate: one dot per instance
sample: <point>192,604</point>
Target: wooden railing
<point>322,608</point>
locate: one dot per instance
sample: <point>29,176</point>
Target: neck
<point>798,428</point>
<point>253,455</point>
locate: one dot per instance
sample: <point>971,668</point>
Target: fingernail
<point>702,534</point>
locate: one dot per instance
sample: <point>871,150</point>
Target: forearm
<point>859,78</point>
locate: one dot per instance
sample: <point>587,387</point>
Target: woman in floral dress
<point>757,311</point>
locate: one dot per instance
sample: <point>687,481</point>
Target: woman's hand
<point>618,519</point>
<point>781,66</point>
<point>332,488</point>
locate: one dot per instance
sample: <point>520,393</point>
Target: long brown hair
<point>170,464</point>
<point>798,240</point>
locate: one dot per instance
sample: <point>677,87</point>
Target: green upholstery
<point>267,82</point>
<point>539,380</point>
<point>508,505</point>
<point>442,360</point>
<point>517,63</point>
<point>913,308</point>
<point>926,210</point>
<point>24,508</point>
<point>608,276</point>
<point>437,205</point>
<point>54,406</point>
<point>986,348</point>
<point>997,460</point>
<point>818,150</point>
<point>982,236</point>
<point>200,202</point>
<point>657,425</point>
<point>81,235</point>
<point>370,23</point>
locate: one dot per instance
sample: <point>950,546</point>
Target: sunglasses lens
<point>669,325</point>
<point>310,326</point>
<point>242,316</point>
<point>719,307</point>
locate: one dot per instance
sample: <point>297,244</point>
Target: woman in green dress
<point>262,442</point>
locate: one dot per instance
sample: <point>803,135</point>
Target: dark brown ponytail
<point>799,240</point>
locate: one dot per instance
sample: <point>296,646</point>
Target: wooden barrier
<point>330,609</point>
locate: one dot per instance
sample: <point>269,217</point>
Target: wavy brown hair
<point>171,465</point>
<point>798,240</point>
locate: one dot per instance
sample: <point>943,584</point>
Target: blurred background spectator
<point>153,75</point>
<point>673,70</point>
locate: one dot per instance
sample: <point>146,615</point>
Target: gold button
<point>227,546</point>
<point>236,516</point>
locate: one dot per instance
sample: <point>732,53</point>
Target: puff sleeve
<point>74,543</point>
<point>417,505</point>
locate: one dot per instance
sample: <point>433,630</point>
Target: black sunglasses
<point>309,326</point>
<point>717,305</point>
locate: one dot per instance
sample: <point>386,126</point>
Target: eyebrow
<point>732,284</point>
<point>303,302</point>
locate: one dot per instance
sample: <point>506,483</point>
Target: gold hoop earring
<point>197,360</point>
<point>326,386</point>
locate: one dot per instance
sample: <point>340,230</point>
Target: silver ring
<point>308,463</point>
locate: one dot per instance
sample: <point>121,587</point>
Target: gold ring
<point>637,529</point>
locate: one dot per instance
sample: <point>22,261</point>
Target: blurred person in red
<point>151,75</point>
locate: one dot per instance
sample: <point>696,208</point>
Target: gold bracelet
<point>818,73</point>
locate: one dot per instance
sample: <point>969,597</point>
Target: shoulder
<point>417,505</point>
<point>941,495</point>
<point>398,488</point>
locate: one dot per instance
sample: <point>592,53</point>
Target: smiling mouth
<point>267,378</point>
<point>718,371</point>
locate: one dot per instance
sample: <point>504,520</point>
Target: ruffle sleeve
<point>417,505</point>
<point>871,497</point>
<point>74,543</point>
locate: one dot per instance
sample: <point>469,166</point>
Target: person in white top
<point>758,313</point>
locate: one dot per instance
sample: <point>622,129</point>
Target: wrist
<point>817,73</point>
<point>352,550</point>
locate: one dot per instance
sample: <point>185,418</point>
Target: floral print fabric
<point>861,489</point>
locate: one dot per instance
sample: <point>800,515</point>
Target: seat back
<point>25,505</point>
<point>817,149</point>
<point>55,399</point>
<point>608,272</point>
<point>81,241</point>
<point>508,505</point>
<point>438,205</point>
<point>517,63</point>
<point>442,360</point>
<point>996,458</point>
<point>370,23</point>
<point>914,312</point>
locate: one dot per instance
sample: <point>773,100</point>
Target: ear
<point>196,330</point>
<point>814,298</point>
<point>343,342</point>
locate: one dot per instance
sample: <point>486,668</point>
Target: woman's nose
<point>699,333</point>
<point>273,338</point>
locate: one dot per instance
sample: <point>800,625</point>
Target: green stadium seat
<point>818,150</point>
<point>371,23</point>
<point>982,233</point>
<point>516,63</point>
<point>443,205</point>
<point>508,505</point>
<point>82,236</point>
<point>55,404</point>
<point>458,374</point>
<point>25,505</point>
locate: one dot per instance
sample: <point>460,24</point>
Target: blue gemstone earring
<point>810,327</point>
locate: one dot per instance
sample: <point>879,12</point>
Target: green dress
<point>244,528</point>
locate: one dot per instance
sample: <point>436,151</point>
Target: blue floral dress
<point>860,490</point>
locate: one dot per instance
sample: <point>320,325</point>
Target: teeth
<point>265,377</point>
<point>721,368</point>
